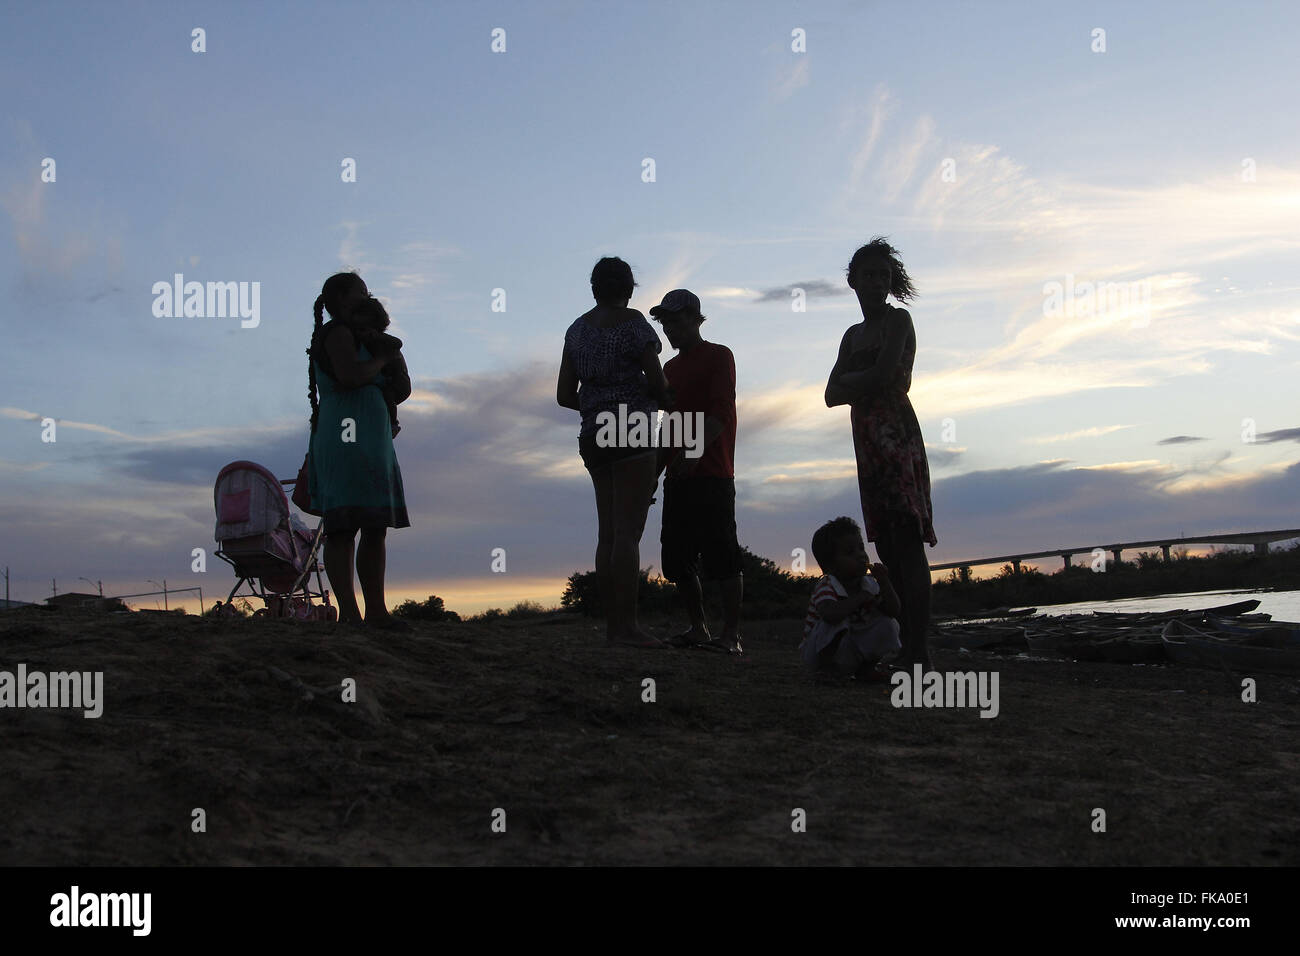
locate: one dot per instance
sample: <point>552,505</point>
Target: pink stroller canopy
<point>249,500</point>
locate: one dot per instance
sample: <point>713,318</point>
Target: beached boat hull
<point>1269,634</point>
<point>1185,644</point>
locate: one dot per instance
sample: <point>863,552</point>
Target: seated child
<point>374,317</point>
<point>851,626</point>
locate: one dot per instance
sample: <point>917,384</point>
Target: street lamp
<point>164,590</point>
<point>101,592</point>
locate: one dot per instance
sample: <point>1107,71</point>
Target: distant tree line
<point>773,593</point>
<point>1150,573</point>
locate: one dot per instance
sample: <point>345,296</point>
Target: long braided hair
<point>331,298</point>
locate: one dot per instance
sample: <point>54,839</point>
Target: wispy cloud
<point>1282,434</point>
<point>1145,465</point>
<point>82,262</point>
<point>943,456</point>
<point>725,293</point>
<point>792,75</point>
<point>1095,431</point>
<point>23,467</point>
<point>403,276</point>
<point>812,289</point>
<point>868,122</point>
<point>689,256</point>
<point>1180,440</point>
<point>1013,234</point>
<point>905,158</point>
<point>175,438</point>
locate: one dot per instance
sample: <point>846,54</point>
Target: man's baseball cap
<point>679,300</point>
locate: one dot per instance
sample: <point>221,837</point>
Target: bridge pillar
<point>1165,549</point>
<point>1066,559</point>
<point>1261,548</point>
<point>1116,552</point>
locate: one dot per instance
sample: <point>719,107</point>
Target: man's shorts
<point>699,529</point>
<point>595,457</point>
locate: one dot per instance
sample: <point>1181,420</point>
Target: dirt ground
<point>541,721</point>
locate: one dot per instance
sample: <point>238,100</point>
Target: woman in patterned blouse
<point>613,354</point>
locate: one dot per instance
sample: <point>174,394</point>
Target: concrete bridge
<point>1260,539</point>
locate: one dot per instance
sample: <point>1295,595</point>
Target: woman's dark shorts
<point>596,458</point>
<point>699,530</point>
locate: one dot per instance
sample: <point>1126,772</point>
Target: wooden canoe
<point>1185,644</point>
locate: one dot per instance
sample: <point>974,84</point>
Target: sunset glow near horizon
<point>1102,228</point>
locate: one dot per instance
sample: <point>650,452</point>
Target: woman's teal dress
<point>353,475</point>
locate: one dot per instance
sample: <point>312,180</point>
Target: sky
<point>1017,154</point>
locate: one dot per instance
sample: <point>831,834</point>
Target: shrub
<point>770,592</point>
<point>526,609</point>
<point>431,610</point>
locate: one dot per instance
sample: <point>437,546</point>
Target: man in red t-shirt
<point>699,520</point>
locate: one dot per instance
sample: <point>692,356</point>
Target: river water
<point>1283,605</point>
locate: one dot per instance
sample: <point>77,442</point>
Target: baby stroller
<point>268,545</point>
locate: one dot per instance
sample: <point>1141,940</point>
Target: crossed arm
<point>847,388</point>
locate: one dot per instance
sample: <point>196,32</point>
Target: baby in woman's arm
<point>372,318</point>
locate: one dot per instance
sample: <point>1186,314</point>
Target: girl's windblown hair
<point>900,283</point>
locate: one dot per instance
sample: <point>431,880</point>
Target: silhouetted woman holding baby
<point>354,479</point>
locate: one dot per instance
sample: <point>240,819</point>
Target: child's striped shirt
<point>830,589</point>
